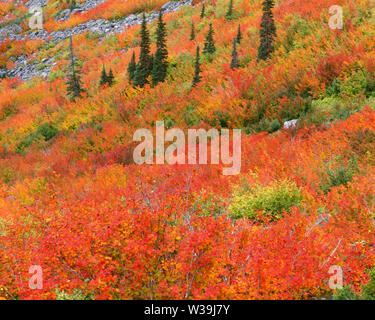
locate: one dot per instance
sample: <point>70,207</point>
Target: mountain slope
<point>73,201</point>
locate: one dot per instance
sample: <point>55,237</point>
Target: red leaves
<point>331,67</point>
<point>94,221</point>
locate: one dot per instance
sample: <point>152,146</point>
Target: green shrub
<point>55,74</point>
<point>191,117</point>
<point>299,28</point>
<point>334,88</point>
<point>339,175</point>
<point>47,130</point>
<point>41,66</point>
<point>263,125</point>
<point>94,35</point>
<point>328,109</point>
<point>345,293</point>
<point>76,295</point>
<point>25,143</point>
<point>274,125</point>
<point>271,201</point>
<point>355,84</point>
<point>223,118</point>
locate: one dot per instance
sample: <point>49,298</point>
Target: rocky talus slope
<point>25,70</point>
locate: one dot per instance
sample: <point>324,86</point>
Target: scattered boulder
<point>10,31</point>
<point>63,15</point>
<point>36,3</point>
<point>25,70</point>
<point>290,124</point>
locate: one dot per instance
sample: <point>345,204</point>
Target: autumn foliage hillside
<point>101,227</point>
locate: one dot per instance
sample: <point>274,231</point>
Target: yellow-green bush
<point>271,201</point>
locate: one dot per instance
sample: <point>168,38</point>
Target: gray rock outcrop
<point>25,70</point>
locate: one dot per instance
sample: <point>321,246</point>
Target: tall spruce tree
<point>152,59</point>
<point>197,77</point>
<point>131,68</point>
<point>74,87</point>
<point>239,35</point>
<point>209,43</point>
<point>72,4</point>
<point>103,77</point>
<point>110,78</point>
<point>234,63</point>
<point>267,31</point>
<point>192,32</point>
<point>160,63</point>
<point>229,14</point>
<point>144,66</point>
<point>203,12</point>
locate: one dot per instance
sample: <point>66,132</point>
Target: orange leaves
<point>144,233</point>
<point>78,206</point>
<point>111,9</point>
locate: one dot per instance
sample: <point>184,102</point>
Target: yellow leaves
<point>27,192</point>
<point>110,176</point>
<point>274,199</point>
<point>82,113</point>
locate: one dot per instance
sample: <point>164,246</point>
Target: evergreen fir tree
<point>131,68</point>
<point>197,77</point>
<point>239,35</point>
<point>103,77</point>
<point>160,63</point>
<point>110,78</point>
<point>74,87</point>
<point>203,12</point>
<point>229,14</point>
<point>144,64</point>
<point>234,62</point>
<point>152,60</point>
<point>192,32</point>
<point>267,31</point>
<point>209,44</point>
<point>72,5</point>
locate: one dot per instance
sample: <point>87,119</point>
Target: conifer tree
<point>144,66</point>
<point>74,87</point>
<point>152,59</point>
<point>267,31</point>
<point>239,35</point>
<point>203,12</point>
<point>192,32</point>
<point>131,68</point>
<point>72,4</point>
<point>229,14</point>
<point>110,78</point>
<point>103,77</point>
<point>234,62</point>
<point>209,44</point>
<point>160,63</point>
<point>197,77</point>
